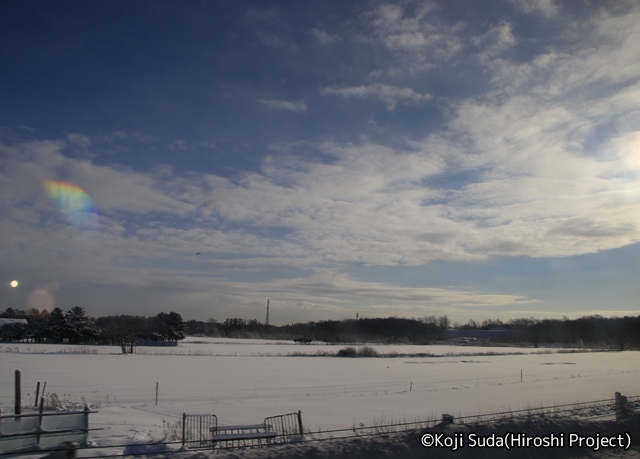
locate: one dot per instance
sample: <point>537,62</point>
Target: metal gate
<point>288,426</point>
<point>197,430</point>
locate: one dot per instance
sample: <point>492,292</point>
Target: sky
<point>470,159</point>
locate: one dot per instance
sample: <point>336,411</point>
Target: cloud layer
<point>543,162</point>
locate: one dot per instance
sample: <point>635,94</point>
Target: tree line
<point>75,327</point>
<point>589,331</point>
<point>390,329</point>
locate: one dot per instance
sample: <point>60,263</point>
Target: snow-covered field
<point>244,381</point>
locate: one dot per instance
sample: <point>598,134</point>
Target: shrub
<point>353,352</point>
<point>347,352</point>
<point>368,352</point>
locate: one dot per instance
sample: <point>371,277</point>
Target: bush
<point>368,352</point>
<point>353,352</point>
<point>347,352</point>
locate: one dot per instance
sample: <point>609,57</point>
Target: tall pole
<point>267,313</point>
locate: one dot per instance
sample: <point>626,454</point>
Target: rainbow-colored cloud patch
<point>73,202</point>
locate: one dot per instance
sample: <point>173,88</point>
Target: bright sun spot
<point>14,283</point>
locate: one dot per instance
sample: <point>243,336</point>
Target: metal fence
<point>288,426</point>
<point>613,408</point>
<point>197,430</point>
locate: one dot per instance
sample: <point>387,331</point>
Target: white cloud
<point>276,104</point>
<point>544,165</point>
<point>80,140</point>
<point>339,286</point>
<point>547,8</point>
<point>497,40</point>
<point>390,95</point>
<point>417,38</point>
<point>113,188</point>
<point>275,41</point>
<point>323,38</point>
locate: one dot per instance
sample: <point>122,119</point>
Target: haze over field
<point>475,159</point>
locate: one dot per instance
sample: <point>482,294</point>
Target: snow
<point>244,381</point>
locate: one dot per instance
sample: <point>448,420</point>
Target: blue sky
<point>475,159</point>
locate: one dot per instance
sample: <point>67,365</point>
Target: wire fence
<point>292,425</point>
<point>597,409</point>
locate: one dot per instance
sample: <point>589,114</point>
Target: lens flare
<point>14,283</point>
<point>73,202</point>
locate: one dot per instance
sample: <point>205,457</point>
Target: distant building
<point>473,336</point>
<point>467,341</point>
<point>12,321</point>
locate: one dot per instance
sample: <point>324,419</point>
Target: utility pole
<point>267,313</point>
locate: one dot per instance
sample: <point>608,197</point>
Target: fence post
<point>300,423</point>
<point>184,418</point>
<point>39,420</point>
<point>37,393</point>
<point>44,386</point>
<point>86,422</point>
<point>621,406</point>
<point>18,401</point>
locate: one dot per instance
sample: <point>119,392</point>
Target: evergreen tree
<point>169,327</point>
<point>177,329</point>
<point>13,332</point>
<point>79,326</point>
<point>56,329</point>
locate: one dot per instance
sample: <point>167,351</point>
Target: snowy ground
<point>244,381</point>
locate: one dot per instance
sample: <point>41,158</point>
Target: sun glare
<point>14,283</point>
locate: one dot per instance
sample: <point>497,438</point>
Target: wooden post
<point>37,393</point>
<point>40,420</point>
<point>156,393</point>
<point>86,419</point>
<point>18,400</point>
<point>184,418</point>
<point>44,386</point>
<point>300,423</point>
<point>621,406</point>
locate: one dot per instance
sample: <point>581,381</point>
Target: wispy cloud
<point>497,40</point>
<point>542,161</point>
<point>390,95</point>
<point>338,286</point>
<point>418,38</point>
<point>323,38</point>
<point>277,104</point>
<point>80,140</point>
<point>547,8</point>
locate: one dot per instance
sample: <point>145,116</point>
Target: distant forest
<point>592,331</point>
<point>75,327</point>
